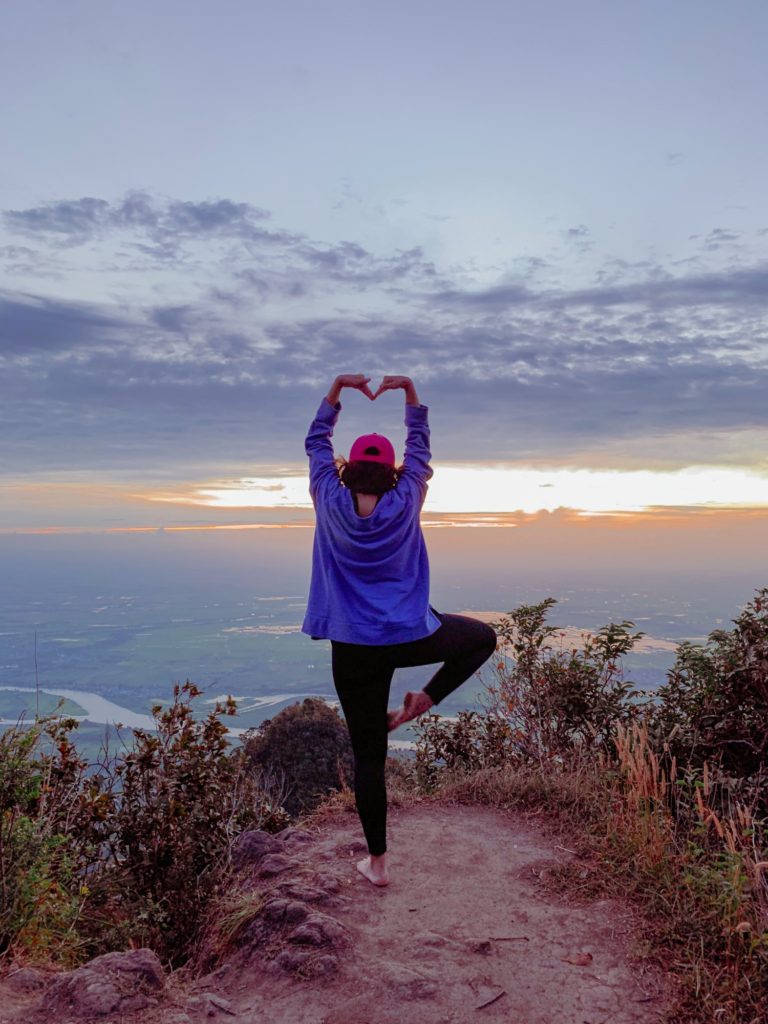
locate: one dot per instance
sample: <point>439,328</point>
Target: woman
<point>369,593</point>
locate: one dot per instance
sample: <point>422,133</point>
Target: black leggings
<point>362,674</point>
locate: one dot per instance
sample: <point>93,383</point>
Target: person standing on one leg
<point>369,593</point>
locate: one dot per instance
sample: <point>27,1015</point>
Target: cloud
<point>30,324</point>
<point>733,287</point>
<point>166,230</point>
<point>74,222</point>
<point>227,365</point>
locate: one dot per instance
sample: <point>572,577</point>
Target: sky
<point>552,216</point>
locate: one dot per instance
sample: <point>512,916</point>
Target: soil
<point>467,930</point>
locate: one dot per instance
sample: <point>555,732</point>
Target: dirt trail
<point>464,932</point>
<point>464,920</point>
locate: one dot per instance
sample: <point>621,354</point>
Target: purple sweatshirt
<point>370,574</point>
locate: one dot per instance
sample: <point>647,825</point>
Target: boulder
<point>274,864</point>
<point>114,983</point>
<point>250,847</point>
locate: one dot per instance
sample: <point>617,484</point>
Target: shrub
<point>469,744</point>
<point>546,702</point>
<point>309,744</point>
<point>128,851</point>
<point>183,799</point>
<point>557,699</point>
<point>713,708</point>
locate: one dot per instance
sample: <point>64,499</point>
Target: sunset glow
<point>462,489</point>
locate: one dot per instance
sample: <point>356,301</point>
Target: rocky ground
<point>467,930</point>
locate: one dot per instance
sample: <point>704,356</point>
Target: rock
<point>324,966</point>
<point>255,932</point>
<point>112,983</point>
<point>296,837</point>
<point>291,959</point>
<point>308,893</point>
<point>279,910</point>
<point>408,983</point>
<point>274,864</point>
<point>27,979</point>
<point>249,847</point>
<point>482,946</point>
<point>328,883</point>
<point>274,910</point>
<point>318,930</point>
<point>295,912</point>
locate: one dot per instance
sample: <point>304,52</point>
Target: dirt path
<point>464,932</point>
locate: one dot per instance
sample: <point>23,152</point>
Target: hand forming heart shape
<point>360,382</point>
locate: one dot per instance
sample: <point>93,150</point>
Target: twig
<point>509,938</point>
<point>567,850</point>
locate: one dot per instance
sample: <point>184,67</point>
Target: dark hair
<point>368,477</point>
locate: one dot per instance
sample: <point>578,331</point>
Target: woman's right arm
<point>317,443</point>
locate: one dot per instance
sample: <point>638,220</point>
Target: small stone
<point>483,947</point>
<point>410,984</point>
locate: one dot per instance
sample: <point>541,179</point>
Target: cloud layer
<point>179,334</point>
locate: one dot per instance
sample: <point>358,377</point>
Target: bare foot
<point>415,704</point>
<point>374,869</point>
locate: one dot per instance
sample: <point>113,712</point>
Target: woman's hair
<point>366,477</point>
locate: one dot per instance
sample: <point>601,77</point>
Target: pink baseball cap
<point>372,448</point>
